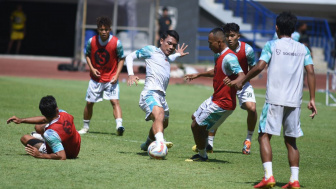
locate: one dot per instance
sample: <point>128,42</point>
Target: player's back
<point>285,72</point>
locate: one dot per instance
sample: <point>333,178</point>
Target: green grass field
<point>110,161</point>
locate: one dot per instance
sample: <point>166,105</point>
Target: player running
<point>60,139</point>
<point>105,58</point>
<point>245,55</point>
<point>286,60</point>
<point>152,98</point>
<point>214,111</point>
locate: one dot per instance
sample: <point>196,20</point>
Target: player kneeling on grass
<point>213,111</point>
<point>105,58</point>
<point>286,61</point>
<point>153,97</point>
<point>60,139</point>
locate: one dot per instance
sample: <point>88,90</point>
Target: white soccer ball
<point>157,150</point>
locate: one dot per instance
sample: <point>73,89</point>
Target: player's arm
<point>230,62</point>
<point>190,77</point>
<point>55,143</point>
<point>30,120</point>
<point>129,64</point>
<point>121,57</point>
<point>179,52</point>
<point>250,56</point>
<point>93,70</point>
<point>309,67</point>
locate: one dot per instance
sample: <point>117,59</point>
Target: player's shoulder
<point>150,48</point>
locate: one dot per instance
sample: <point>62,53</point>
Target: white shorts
<point>149,99</point>
<point>97,91</point>
<point>210,114</point>
<point>246,94</point>
<point>273,116</point>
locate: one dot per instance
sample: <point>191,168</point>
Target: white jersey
<point>286,59</point>
<point>157,67</point>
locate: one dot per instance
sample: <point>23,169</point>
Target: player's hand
<point>181,49</point>
<point>190,77</point>
<point>114,79</point>
<point>227,81</point>
<point>14,119</point>
<point>312,107</point>
<point>31,150</point>
<point>132,79</point>
<point>96,73</point>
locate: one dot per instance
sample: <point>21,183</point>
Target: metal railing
<point>263,23</point>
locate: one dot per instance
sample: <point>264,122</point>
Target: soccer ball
<point>157,150</point>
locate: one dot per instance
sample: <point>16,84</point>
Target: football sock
<point>295,174</point>
<point>159,137</point>
<point>148,141</point>
<point>268,170</point>
<point>118,122</point>
<point>202,153</point>
<point>249,135</point>
<point>211,140</point>
<point>86,123</point>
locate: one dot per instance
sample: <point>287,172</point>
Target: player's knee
<point>24,139</point>
<point>115,103</point>
<point>192,117</point>
<point>251,107</point>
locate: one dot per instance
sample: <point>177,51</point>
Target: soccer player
<point>286,61</point>
<point>213,111</point>
<point>105,58</point>
<point>18,28</point>
<point>60,138</point>
<point>152,98</point>
<point>245,55</point>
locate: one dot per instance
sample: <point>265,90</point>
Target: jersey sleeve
<point>266,52</point>
<point>308,59</point>
<point>295,36</point>
<point>53,140</point>
<point>120,50</point>
<point>88,47</point>
<point>250,55</point>
<point>230,64</point>
<point>145,52</point>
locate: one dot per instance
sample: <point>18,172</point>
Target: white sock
<point>149,141</point>
<point>268,169</point>
<point>159,137</point>
<point>211,140</point>
<point>118,122</point>
<point>202,153</point>
<point>249,135</point>
<point>86,124</point>
<point>295,174</point>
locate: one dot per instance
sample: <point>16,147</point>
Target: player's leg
<point>87,115</point>
<point>94,94</point>
<point>268,126</point>
<point>117,113</point>
<point>247,102</point>
<point>291,131</point>
<point>10,44</point>
<point>111,92</point>
<point>37,143</point>
<point>18,46</point>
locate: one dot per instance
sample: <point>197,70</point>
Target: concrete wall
<point>187,24</point>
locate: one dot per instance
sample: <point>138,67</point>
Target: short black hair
<point>164,9</point>
<point>219,33</point>
<point>227,28</point>
<point>172,33</point>
<point>104,21</point>
<point>48,106</point>
<point>286,22</point>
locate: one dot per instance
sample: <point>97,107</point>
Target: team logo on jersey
<point>101,56</point>
<point>67,127</point>
<point>278,51</point>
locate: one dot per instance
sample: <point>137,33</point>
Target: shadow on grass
<point>142,153</point>
<point>103,133</point>
<point>225,151</point>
